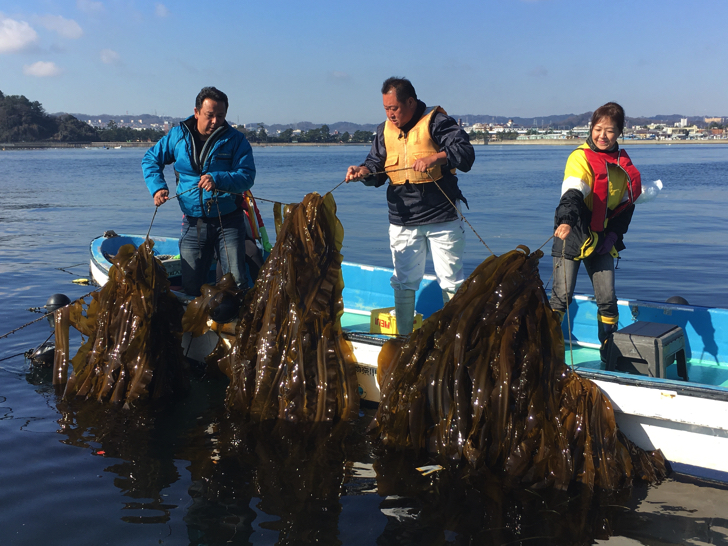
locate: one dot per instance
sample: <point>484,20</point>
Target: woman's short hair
<point>611,110</point>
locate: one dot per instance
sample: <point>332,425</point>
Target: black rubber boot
<point>605,340</point>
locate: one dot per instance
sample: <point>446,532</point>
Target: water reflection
<point>290,484</point>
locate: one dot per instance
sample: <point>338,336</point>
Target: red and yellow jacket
<point>597,197</point>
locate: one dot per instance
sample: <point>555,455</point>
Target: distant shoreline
<point>625,142</point>
<point>540,142</point>
<point>71,145</point>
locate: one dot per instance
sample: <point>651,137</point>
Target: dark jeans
<point>600,268</point>
<point>203,240</point>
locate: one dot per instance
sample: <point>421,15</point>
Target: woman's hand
<point>562,232</point>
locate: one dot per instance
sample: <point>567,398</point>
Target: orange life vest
<point>403,150</point>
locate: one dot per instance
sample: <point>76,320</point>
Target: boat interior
<point>670,332</point>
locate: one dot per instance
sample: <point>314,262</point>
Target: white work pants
<point>410,246</point>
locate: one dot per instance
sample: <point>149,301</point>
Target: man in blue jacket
<point>214,165</point>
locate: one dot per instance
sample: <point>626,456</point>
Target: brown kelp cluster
<point>483,382</point>
<point>211,299</point>
<point>289,359</point>
<point>134,334</point>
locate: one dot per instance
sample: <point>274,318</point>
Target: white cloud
<point>41,69</point>
<point>67,28</point>
<point>338,76</point>
<point>89,6</point>
<point>109,56</point>
<point>161,10</point>
<point>15,35</point>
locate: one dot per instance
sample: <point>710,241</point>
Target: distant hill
<point>569,121</point>
<point>566,120</point>
<point>340,126</point>
<point>563,121</point>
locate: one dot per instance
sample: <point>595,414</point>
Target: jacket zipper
<point>405,159</point>
<point>206,148</point>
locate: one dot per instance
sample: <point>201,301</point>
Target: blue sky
<point>324,61</point>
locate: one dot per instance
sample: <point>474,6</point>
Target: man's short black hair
<point>212,93</point>
<point>403,88</point>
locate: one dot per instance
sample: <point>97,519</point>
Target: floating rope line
<point>30,353</point>
<point>20,354</point>
<point>69,267</point>
<point>44,316</point>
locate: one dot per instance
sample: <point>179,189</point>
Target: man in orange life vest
<point>418,149</point>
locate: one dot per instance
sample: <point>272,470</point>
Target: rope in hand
<point>566,296</point>
<point>157,208</point>
<point>219,216</point>
<point>385,171</point>
<point>368,176</point>
<point>460,213</point>
<point>462,216</point>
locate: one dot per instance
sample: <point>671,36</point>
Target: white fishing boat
<point>667,375</point>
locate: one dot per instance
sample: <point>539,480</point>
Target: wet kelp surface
<point>134,331</point>
<point>289,359</point>
<point>483,384</point>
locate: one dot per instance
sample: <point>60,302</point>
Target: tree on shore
<point>318,135</point>
<point>22,120</point>
<point>114,133</point>
<point>362,136</point>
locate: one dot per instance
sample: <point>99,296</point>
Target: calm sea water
<point>80,474</point>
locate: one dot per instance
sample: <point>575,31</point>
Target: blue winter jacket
<point>226,156</point>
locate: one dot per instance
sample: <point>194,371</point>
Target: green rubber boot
<point>404,307</point>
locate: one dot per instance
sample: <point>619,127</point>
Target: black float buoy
<point>55,302</point>
<point>678,300</point>
<point>43,354</point>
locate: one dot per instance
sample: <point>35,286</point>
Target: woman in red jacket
<point>597,201</point>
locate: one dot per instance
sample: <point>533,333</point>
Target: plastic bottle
<point>650,190</point>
